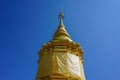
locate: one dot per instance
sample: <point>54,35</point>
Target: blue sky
<point>26,24</point>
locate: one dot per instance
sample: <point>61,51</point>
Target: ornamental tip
<point>61,16</point>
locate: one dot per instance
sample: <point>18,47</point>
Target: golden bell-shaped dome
<point>61,33</point>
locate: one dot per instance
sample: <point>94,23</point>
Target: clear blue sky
<point>26,24</point>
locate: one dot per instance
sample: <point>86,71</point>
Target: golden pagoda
<point>60,58</point>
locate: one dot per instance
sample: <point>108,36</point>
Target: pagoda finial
<point>61,16</point>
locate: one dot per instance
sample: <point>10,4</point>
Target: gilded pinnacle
<point>61,33</point>
<point>61,16</point>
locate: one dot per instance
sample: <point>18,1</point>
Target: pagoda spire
<point>61,33</point>
<point>60,58</point>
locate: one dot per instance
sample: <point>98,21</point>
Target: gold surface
<point>61,58</point>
